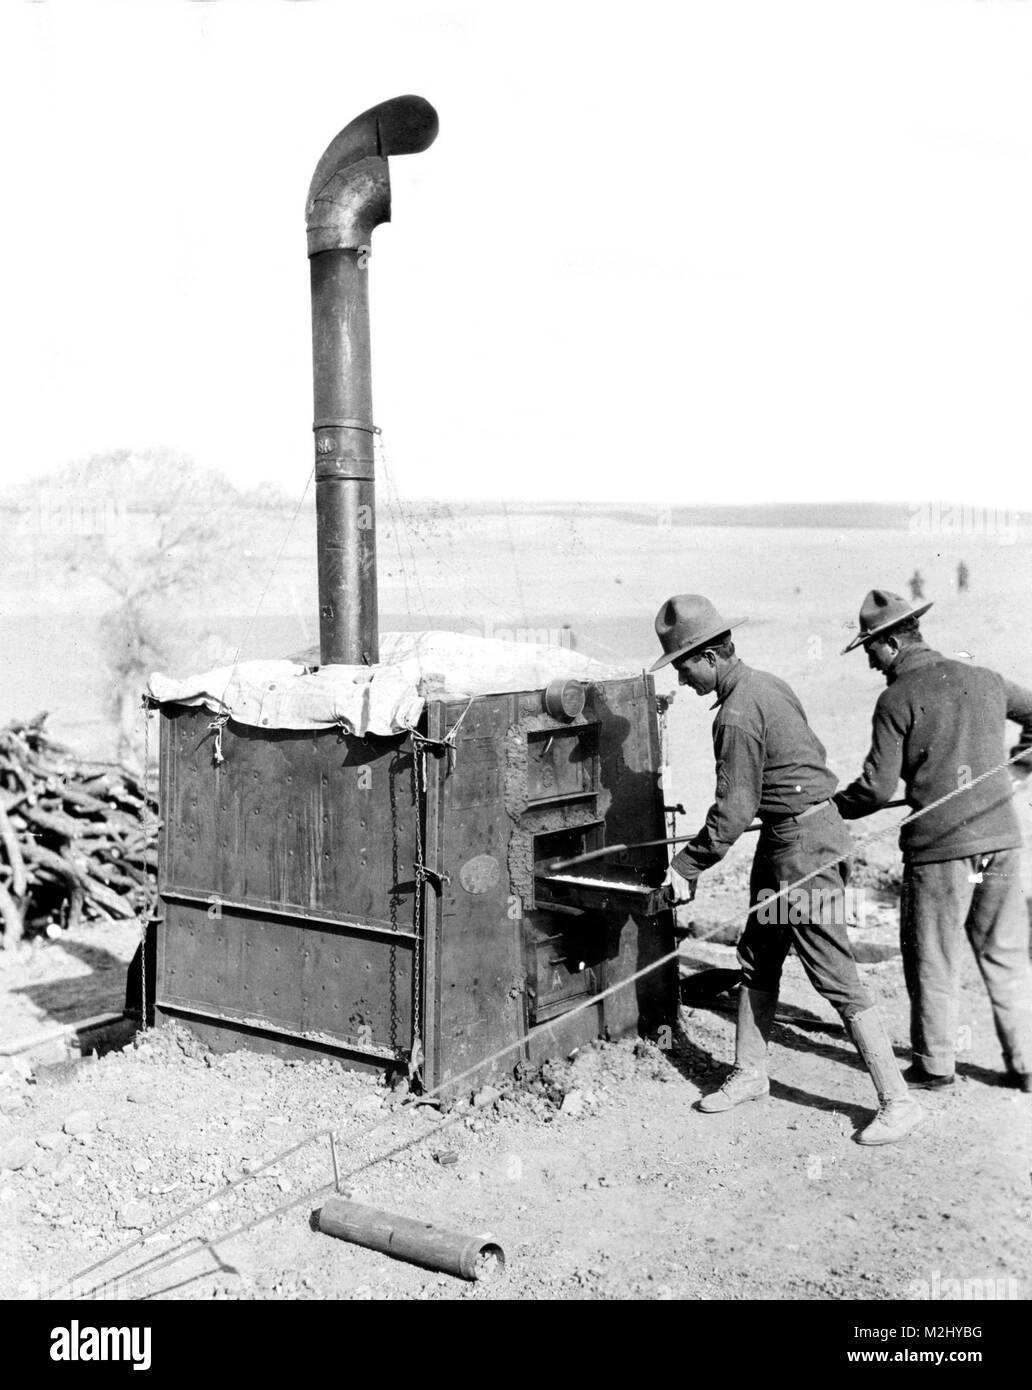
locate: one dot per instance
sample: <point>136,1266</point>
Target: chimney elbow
<point>350,192</point>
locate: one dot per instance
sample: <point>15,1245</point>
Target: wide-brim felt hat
<point>687,622</point>
<point>880,612</point>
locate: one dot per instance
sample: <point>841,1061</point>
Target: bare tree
<point>156,533</point>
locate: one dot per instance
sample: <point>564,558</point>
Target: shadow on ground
<point>75,997</point>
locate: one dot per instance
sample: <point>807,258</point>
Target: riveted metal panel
<point>244,967</point>
<point>499,968</point>
<point>480,995</point>
<point>297,820</point>
<point>278,867</point>
<point>317,982</point>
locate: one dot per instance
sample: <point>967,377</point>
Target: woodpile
<point>77,839</point>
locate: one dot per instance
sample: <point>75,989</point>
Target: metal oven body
<point>387,901</point>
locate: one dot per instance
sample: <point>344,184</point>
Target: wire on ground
<point>478,1067</point>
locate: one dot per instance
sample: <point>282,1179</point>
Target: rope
<point>396,527</point>
<point>493,599</point>
<point>518,1045</point>
<point>216,727</point>
<point>389,478</point>
<point>498,604</point>
<point>150,834</point>
<point>448,741</point>
<point>521,600</point>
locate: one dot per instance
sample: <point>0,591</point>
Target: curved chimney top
<point>350,191</point>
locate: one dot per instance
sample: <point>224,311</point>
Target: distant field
<point>501,571</point>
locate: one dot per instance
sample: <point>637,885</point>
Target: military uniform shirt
<point>769,763</point>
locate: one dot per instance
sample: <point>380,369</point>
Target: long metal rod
<point>274,1030</point>
<point>289,914</point>
<point>555,865</point>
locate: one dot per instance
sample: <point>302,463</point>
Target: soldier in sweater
<point>939,726</point>
<point>770,763</point>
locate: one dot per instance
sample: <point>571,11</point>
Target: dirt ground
<point>599,1177</point>
<point>604,1181</point>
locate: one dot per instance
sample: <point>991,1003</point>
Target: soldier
<point>769,762</point>
<point>940,725</point>
<point>916,584</point>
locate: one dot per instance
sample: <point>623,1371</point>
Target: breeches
<point>812,917</point>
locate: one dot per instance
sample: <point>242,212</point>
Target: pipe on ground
<point>469,1257</point>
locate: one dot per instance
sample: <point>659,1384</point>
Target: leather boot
<point>898,1111</point>
<point>748,1080</point>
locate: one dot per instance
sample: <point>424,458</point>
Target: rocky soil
<point>599,1177</point>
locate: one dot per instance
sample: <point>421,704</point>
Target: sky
<point>661,253</point>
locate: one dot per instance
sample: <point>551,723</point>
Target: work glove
<point>678,889</point>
